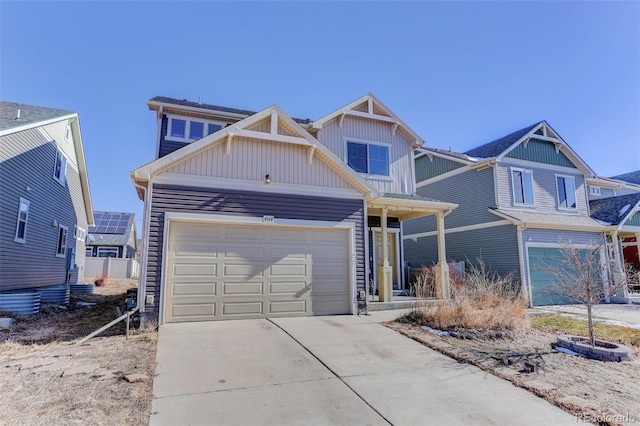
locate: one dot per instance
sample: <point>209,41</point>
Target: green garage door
<point>542,284</point>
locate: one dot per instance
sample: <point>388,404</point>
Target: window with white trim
<point>23,217</point>
<point>187,130</point>
<point>594,190</point>
<point>60,170</point>
<point>79,233</point>
<point>522,187</point>
<point>107,251</point>
<point>368,158</point>
<point>89,252</point>
<point>61,249</point>
<point>566,192</point>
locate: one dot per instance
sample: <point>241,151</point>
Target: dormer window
<point>522,187</point>
<point>187,130</point>
<point>566,192</point>
<point>368,158</point>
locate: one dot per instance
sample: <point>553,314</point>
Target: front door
<point>392,248</point>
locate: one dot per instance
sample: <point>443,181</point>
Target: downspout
<point>143,275</point>
<point>519,228</point>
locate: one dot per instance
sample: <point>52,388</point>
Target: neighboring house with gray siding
<point>520,198</point>
<point>113,235</point>
<point>45,203</point>
<point>257,214</point>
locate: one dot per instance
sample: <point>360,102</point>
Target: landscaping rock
<point>60,365</point>
<point>106,375</point>
<point>136,377</point>
<point>81,369</point>
<point>37,363</point>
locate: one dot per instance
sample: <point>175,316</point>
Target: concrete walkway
<point>623,314</point>
<point>336,370</point>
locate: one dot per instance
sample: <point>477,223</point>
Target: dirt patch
<point>47,379</point>
<point>596,391</point>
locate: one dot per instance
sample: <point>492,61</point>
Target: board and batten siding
<point>251,159</point>
<point>540,152</point>
<point>545,193</point>
<point>472,190</point>
<point>430,167</point>
<point>401,179</point>
<point>168,198</point>
<point>554,238</point>
<point>27,161</point>
<point>496,246</point>
<point>633,220</point>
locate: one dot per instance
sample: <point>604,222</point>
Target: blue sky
<point>459,73</point>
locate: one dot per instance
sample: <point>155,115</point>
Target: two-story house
<point>256,214</point>
<point>45,203</point>
<point>520,198</point>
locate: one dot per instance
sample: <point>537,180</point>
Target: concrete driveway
<point>339,370</point>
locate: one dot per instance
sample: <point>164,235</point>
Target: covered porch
<point>384,217</point>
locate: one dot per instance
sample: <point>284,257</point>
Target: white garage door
<point>223,271</point>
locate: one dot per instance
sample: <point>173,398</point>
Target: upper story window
<point>60,170</point>
<point>594,190</point>
<point>368,158</point>
<point>522,187</point>
<point>186,130</point>
<point>566,192</point>
<point>23,216</point>
<point>61,249</point>
<point>107,251</point>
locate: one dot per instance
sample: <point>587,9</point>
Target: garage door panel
<point>193,289</point>
<point>255,271</point>
<point>249,289</point>
<point>542,281</point>
<point>194,269</point>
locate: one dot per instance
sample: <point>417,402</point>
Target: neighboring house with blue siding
<point>45,203</point>
<point>257,214</point>
<point>520,197</point>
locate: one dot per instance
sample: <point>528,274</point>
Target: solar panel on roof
<point>110,223</point>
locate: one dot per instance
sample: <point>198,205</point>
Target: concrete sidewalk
<point>325,370</point>
<point>625,314</point>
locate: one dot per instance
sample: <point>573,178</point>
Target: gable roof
<point>375,110</point>
<point>448,154</point>
<point>239,129</point>
<point>15,117</point>
<point>498,146</point>
<point>541,131</point>
<point>631,177</point>
<point>614,210</point>
<point>240,113</point>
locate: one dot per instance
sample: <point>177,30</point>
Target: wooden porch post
<point>442,269</point>
<point>618,274</point>
<point>385,290</point>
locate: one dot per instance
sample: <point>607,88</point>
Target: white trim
<point>187,127</point>
<point>203,111</point>
<point>523,286</point>
<point>109,249</point>
<point>67,133</point>
<point>36,124</point>
<point>414,237</point>
<point>145,241</point>
<point>395,231</point>
<point>257,186</point>
<point>496,186</point>
<point>513,188</point>
<point>425,151</point>
<point>170,217</point>
<point>365,231</point>
<point>544,166</point>
<point>254,134</point>
<point>367,141</point>
<point>66,241</point>
<point>575,195</point>
<point>26,221</point>
<point>594,190</point>
<point>443,176</point>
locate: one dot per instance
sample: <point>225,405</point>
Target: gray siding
<point>471,190</point>
<point>427,168</point>
<point>541,152</point>
<point>27,161</point>
<point>244,203</point>
<point>497,246</point>
<point>545,193</point>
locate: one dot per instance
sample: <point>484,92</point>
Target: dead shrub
<point>482,300</point>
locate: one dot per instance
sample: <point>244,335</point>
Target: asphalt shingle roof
<point>613,209</point>
<point>409,197</point>
<point>450,153</point>
<point>185,102</point>
<point>28,114</point>
<point>495,148</point>
<point>552,220</point>
<point>631,177</point>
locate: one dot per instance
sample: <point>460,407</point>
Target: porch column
<point>442,269</point>
<point>618,274</point>
<point>385,290</point>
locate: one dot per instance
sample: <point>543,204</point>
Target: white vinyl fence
<point>111,267</point>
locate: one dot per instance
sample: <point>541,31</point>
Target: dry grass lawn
<point>599,392</point>
<point>30,394</point>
